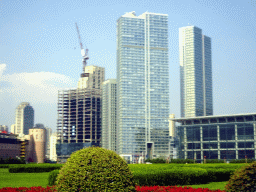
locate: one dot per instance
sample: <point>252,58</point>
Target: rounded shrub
<point>95,169</point>
<point>243,179</point>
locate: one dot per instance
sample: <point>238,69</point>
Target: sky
<point>40,53</point>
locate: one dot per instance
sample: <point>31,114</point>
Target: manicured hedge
<point>173,174</point>
<point>4,165</point>
<point>179,176</point>
<point>52,177</point>
<point>33,168</point>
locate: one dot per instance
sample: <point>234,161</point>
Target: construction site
<point>79,111</point>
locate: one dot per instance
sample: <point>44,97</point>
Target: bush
<point>243,179</point>
<point>33,168</point>
<point>13,161</point>
<point>181,161</point>
<point>157,160</point>
<point>242,161</point>
<point>174,176</point>
<point>52,177</point>
<point>95,169</point>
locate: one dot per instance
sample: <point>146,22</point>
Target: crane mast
<point>83,52</point>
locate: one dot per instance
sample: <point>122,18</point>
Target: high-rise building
<point>195,72</point>
<point>109,102</point>
<point>24,119</point>
<point>79,114</point>
<point>142,85</point>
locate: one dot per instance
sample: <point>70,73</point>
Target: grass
<point>41,179</point>
<point>212,186</point>
<point>22,179</point>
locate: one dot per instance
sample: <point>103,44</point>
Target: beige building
<point>92,78</point>
<point>37,145</point>
<point>4,128</point>
<point>53,141</point>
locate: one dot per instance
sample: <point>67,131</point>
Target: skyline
<point>40,49</point>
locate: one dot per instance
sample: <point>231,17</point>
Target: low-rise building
<point>217,137</point>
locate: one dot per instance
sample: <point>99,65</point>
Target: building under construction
<point>79,114</point>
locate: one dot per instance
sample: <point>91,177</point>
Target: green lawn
<point>41,179</point>
<point>22,179</point>
<point>212,186</point>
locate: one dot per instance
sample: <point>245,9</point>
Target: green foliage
<point>243,179</point>
<point>181,161</point>
<point>174,176</point>
<point>242,161</point>
<point>33,168</point>
<point>95,169</point>
<point>214,161</point>
<point>157,160</point>
<point>52,177</point>
<point>12,161</point>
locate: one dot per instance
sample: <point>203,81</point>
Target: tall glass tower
<point>142,85</point>
<point>195,72</point>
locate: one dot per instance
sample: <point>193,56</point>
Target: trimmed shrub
<point>175,176</point>
<point>243,179</point>
<point>95,169</point>
<point>157,160</point>
<point>52,177</point>
<point>4,165</point>
<point>241,161</point>
<point>181,161</point>
<point>33,168</point>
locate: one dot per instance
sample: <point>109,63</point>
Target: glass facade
<point>142,84</point>
<point>226,138</point>
<point>195,72</point>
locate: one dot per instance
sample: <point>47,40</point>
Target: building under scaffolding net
<point>79,114</point>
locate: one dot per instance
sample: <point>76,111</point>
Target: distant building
<point>24,119</point>
<point>217,137</point>
<point>92,78</point>
<point>109,103</point>
<point>53,142</point>
<point>79,114</point>
<point>13,128</point>
<point>10,146</point>
<point>37,139</point>
<point>4,128</point>
<point>48,132</point>
<point>47,141</point>
<point>195,72</point>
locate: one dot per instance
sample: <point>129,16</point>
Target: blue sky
<point>40,53</point>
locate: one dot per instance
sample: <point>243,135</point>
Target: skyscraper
<point>109,102</point>
<point>79,113</point>
<point>142,85</point>
<point>24,119</point>
<point>195,72</point>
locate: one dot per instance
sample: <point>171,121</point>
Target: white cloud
<point>40,89</point>
<point>2,68</point>
<point>35,87</point>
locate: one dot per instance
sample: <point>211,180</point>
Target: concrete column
<point>201,142</point>
<point>185,143</point>
<point>218,140</point>
<point>254,125</point>
<point>236,141</point>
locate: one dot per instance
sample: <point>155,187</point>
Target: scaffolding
<point>79,116</point>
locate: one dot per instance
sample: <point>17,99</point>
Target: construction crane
<point>83,52</point>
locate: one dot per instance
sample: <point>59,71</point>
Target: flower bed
<point>138,188</point>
